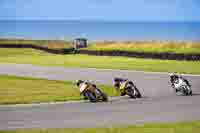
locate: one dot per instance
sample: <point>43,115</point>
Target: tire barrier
<point>163,56</point>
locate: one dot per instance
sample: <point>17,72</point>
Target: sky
<point>106,10</point>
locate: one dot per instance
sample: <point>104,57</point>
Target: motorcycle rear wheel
<point>138,95</point>
<point>104,97</point>
<point>130,93</point>
<point>189,93</point>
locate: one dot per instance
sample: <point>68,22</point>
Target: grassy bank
<point>184,127</point>
<point>148,46</point>
<point>19,90</point>
<point>84,61</point>
<point>52,44</point>
<point>135,46</point>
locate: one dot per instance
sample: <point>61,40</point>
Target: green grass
<point>184,127</point>
<point>18,53</point>
<point>19,90</point>
<point>148,46</point>
<point>29,56</point>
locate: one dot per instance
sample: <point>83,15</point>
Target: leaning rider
<point>120,84</point>
<point>174,79</point>
<point>89,85</point>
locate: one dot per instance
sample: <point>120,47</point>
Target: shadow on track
<point>196,94</point>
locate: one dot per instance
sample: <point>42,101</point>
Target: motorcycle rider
<point>174,79</point>
<point>120,84</point>
<point>92,86</point>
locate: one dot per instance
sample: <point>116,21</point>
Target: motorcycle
<point>128,88</point>
<point>91,92</point>
<point>183,87</point>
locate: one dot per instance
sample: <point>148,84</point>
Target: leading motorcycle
<point>181,86</point>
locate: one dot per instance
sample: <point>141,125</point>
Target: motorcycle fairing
<point>86,86</point>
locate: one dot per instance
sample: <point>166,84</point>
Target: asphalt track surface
<point>159,102</point>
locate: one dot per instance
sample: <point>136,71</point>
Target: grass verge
<point>30,56</point>
<point>148,46</point>
<point>184,127</point>
<point>20,90</point>
<point>51,44</point>
<point>135,46</point>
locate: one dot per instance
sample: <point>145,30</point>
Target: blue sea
<point>101,30</point>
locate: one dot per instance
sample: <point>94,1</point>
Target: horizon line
<point>98,20</point>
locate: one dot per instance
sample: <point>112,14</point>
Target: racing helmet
<point>173,77</point>
<point>116,79</point>
<point>78,82</point>
<point>119,79</point>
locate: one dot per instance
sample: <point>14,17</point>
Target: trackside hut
<point>79,43</point>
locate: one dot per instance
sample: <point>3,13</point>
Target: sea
<point>100,30</point>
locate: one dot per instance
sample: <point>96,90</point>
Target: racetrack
<point>159,104</point>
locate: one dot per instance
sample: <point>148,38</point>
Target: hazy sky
<point>108,10</point>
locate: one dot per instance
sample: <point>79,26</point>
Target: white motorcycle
<point>181,86</point>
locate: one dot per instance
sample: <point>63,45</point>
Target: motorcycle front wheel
<point>104,97</point>
<point>138,95</point>
<point>91,97</point>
